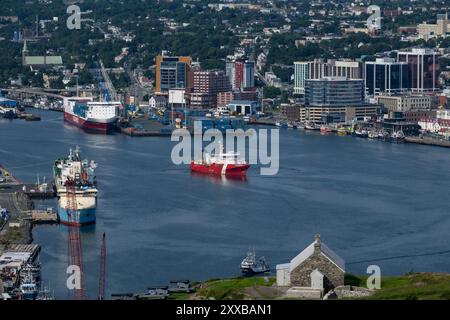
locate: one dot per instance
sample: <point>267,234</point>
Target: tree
<point>271,92</point>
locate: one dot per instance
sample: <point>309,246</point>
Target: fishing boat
<point>251,265</point>
<point>45,294</point>
<point>397,137</point>
<point>372,134</point>
<point>360,133</point>
<point>309,125</point>
<point>28,288</point>
<point>383,135</point>
<point>281,124</point>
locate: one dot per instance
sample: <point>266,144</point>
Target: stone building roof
<point>309,251</point>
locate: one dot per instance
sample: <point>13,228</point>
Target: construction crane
<point>74,239</point>
<point>101,281</point>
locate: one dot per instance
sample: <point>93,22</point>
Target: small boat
<point>360,133</point>
<point>325,129</point>
<point>381,135</point>
<point>32,117</point>
<point>397,137</point>
<point>44,294</point>
<point>281,124</point>
<point>311,126</point>
<point>251,265</point>
<point>8,113</point>
<point>154,293</point>
<point>180,286</point>
<point>342,131</point>
<point>372,134</point>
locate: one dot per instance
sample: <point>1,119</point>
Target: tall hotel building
<point>241,74</point>
<point>423,69</point>
<point>385,75</point>
<point>173,73</point>
<point>301,73</point>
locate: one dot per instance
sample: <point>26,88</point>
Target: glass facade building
<point>423,69</point>
<point>386,75</point>
<point>334,91</point>
<point>173,73</point>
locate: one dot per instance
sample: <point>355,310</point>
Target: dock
<point>32,249</point>
<point>133,132</point>
<point>263,122</point>
<point>44,216</point>
<point>15,227</point>
<point>428,141</point>
<point>42,191</point>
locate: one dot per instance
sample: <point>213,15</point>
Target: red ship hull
<point>88,125</point>
<point>218,169</point>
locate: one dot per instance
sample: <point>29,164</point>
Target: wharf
<point>35,191</point>
<point>428,141</point>
<point>132,132</point>
<point>264,122</point>
<point>33,249</point>
<point>145,128</point>
<point>16,228</point>
<point>44,216</point>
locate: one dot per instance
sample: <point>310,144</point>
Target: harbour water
<point>372,202</point>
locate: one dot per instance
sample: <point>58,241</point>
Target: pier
<point>133,132</point>
<point>44,216</point>
<point>429,141</point>
<point>15,225</point>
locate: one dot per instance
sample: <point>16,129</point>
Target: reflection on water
<point>219,179</point>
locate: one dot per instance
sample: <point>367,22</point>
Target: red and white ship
<point>224,164</point>
<point>90,115</point>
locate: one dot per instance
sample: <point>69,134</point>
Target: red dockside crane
<point>74,239</point>
<point>101,281</point>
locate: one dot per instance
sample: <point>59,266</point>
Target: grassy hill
<point>413,286</point>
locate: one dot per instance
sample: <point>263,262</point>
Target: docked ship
<point>28,288</point>
<point>90,115</point>
<point>251,265</point>
<point>224,164</point>
<point>74,179</point>
<point>397,137</point>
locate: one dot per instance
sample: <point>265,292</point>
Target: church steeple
<point>24,52</point>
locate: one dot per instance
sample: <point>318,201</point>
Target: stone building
<point>316,268</point>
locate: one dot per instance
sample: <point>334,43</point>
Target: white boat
<point>252,265</point>
<point>311,126</point>
<point>28,288</point>
<point>372,134</point>
<point>397,136</point>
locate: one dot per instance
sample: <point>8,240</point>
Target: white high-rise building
<point>319,68</point>
<point>301,73</point>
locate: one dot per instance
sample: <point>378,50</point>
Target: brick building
<point>290,111</point>
<point>207,84</point>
